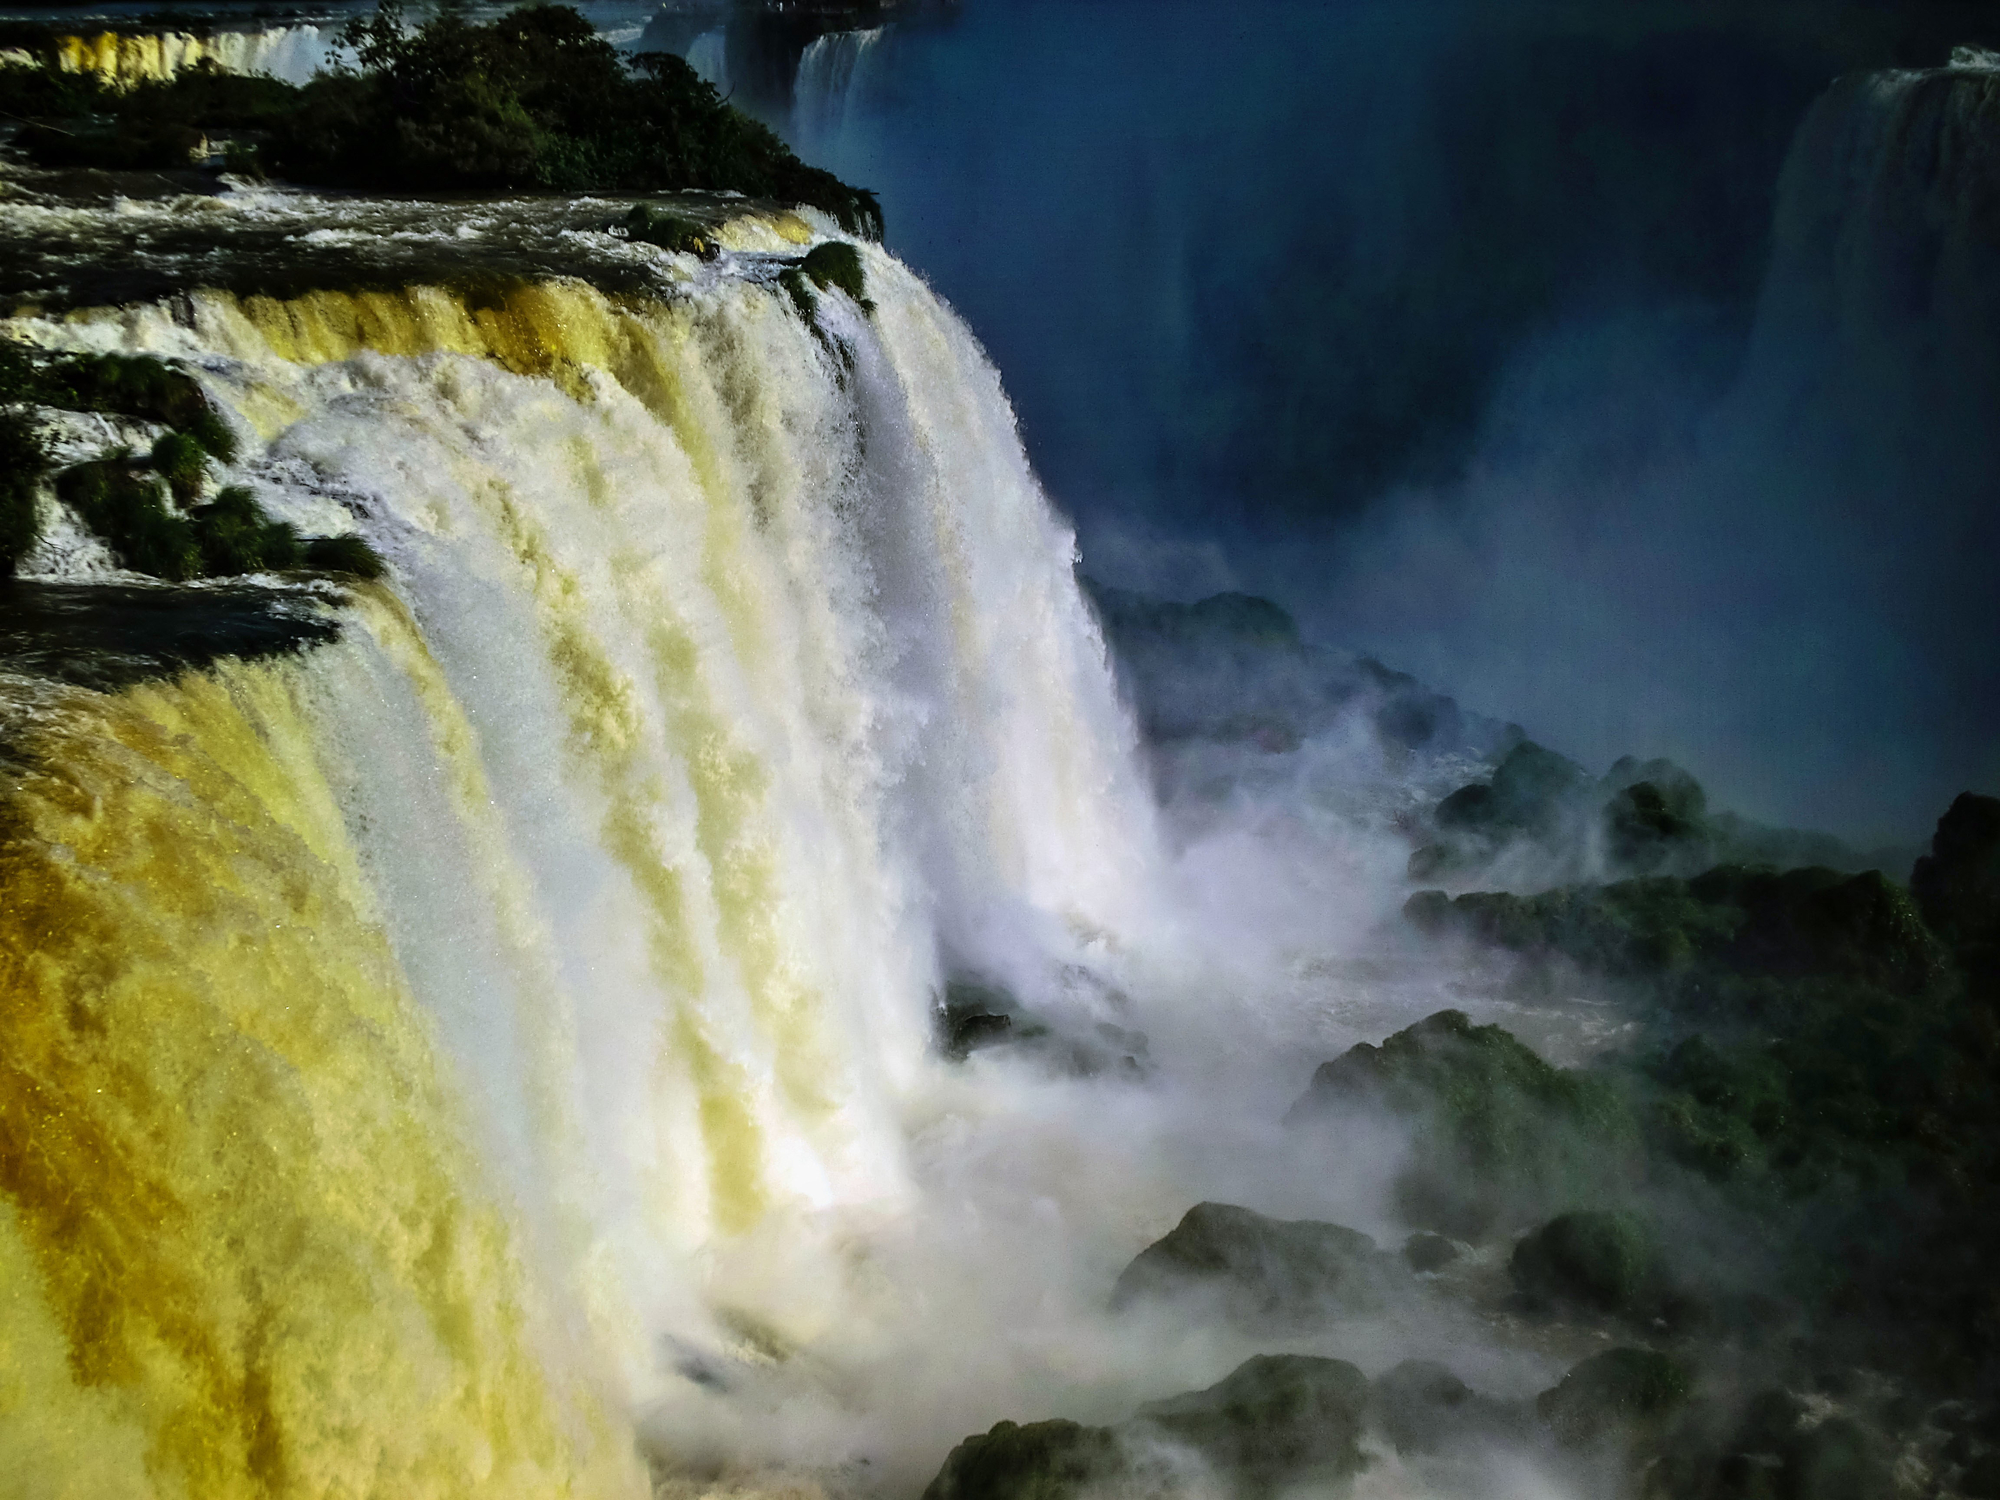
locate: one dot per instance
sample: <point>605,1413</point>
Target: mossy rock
<point>1499,1131</point>
<point>1603,1261</point>
<point>838,264</point>
<point>1620,1389</point>
<point>1276,1421</point>
<point>1055,1460</point>
<point>1422,1407</point>
<point>1261,1270</point>
<point>670,231</point>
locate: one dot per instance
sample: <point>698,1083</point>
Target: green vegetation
<point>1816,1058</point>
<point>1605,1261</point>
<point>344,554</point>
<point>533,100</point>
<point>23,462</point>
<point>235,536</point>
<point>127,507</point>
<point>125,500</point>
<point>1501,1135</point>
<point>1275,1422</point>
<point>1041,1461</point>
<point>1639,818</point>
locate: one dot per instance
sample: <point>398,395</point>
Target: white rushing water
<point>733,687</point>
<point>832,70</point>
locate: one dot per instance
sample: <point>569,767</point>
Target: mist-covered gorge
<point>593,905</point>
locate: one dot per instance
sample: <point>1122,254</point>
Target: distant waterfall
<point>417,1010</point>
<point>830,70</point>
<point>290,53</point>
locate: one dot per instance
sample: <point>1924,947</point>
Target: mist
<point>1456,329</point>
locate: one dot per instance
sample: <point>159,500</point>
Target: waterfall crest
<point>731,687</point>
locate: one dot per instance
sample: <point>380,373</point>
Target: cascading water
<point>291,53</point>
<point>429,1012</point>
<point>831,69</point>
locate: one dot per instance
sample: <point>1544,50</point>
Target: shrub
<point>23,462</point>
<point>127,509</point>
<point>344,554</point>
<point>235,536</point>
<point>182,463</point>
<point>838,264</point>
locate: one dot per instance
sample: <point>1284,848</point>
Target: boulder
<point>1278,1420</point>
<point>1262,1270</point>
<point>1605,1262</point>
<point>1042,1461</point>
<point>1618,1389</point>
<point>1498,1130</point>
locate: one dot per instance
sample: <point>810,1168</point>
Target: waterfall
<point>290,53</point>
<point>421,1013</point>
<point>708,55</point>
<point>829,72</point>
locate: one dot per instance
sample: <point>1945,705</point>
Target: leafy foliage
<point>127,508</point>
<point>23,462</point>
<point>344,554</point>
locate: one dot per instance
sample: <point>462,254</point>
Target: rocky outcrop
<point>1262,1271</point>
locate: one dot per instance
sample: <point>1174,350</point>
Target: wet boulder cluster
<point>1770,1209</point>
<point>1542,818</point>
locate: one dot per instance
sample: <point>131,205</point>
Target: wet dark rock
<point>1041,1461</point>
<point>1421,1407</point>
<point>1499,1132</point>
<point>974,1015</point>
<point>1430,1252</point>
<point>1606,1262</point>
<point>1233,669</point>
<point>1618,1389</point>
<point>1957,885</point>
<point>1276,1420</point>
<point>1262,1270</point>
<point>108,636</point>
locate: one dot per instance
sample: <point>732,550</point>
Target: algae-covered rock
<point>1620,1388</point>
<point>1053,1460</point>
<point>1499,1132</point>
<point>1603,1261</point>
<point>1957,884</point>
<point>1261,1270</point>
<point>1276,1420</point>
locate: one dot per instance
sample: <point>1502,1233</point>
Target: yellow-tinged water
<point>555,953</point>
<point>245,1247</point>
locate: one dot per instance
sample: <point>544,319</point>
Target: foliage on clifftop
<point>534,100</point>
